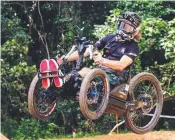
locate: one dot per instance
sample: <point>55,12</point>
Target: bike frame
<point>81,46</point>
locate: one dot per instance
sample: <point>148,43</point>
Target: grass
<point>83,135</point>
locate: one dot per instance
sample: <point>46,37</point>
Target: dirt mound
<point>157,135</point>
<point>2,137</point>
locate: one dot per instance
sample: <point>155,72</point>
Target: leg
<point>84,71</point>
<point>76,80</point>
<point>76,77</point>
<point>113,80</point>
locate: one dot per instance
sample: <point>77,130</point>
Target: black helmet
<point>128,24</point>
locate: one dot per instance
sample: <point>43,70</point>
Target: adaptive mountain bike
<point>141,107</point>
<point>42,101</point>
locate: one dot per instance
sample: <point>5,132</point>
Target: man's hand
<point>60,60</point>
<point>97,57</point>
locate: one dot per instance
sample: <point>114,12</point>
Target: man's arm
<point>127,59</point>
<point>99,45</point>
<point>117,65</point>
<point>74,55</point>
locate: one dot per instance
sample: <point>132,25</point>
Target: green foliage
<point>168,42</point>
<point>9,128</point>
<point>14,69</point>
<point>146,8</point>
<point>163,37</point>
<point>28,129</point>
<point>109,26</point>
<point>169,124</point>
<point>20,22</point>
<point>108,123</point>
<point>13,50</point>
<point>152,29</point>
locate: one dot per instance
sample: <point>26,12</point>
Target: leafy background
<point>28,28</point>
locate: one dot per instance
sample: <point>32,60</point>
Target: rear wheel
<point>41,102</point>
<point>94,94</point>
<point>145,91</point>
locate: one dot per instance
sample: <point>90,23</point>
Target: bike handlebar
<point>81,50</point>
<point>74,47</point>
<point>71,51</point>
<point>90,49</point>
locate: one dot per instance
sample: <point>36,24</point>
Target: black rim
<point>44,100</point>
<point>96,94</point>
<point>146,99</point>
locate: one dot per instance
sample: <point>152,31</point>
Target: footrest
<point>49,69</point>
<point>53,65</point>
<point>44,66</point>
<point>49,74</point>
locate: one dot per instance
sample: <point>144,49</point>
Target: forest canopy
<point>30,30</point>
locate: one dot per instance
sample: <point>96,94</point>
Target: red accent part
<point>54,66</point>
<point>44,66</point>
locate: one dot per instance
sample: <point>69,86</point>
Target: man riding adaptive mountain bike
<point>119,51</point>
<point>102,89</point>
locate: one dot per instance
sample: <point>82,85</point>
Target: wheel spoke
<point>44,100</point>
<point>148,88</point>
<point>95,93</point>
<point>150,109</point>
<point>40,100</point>
<point>146,93</point>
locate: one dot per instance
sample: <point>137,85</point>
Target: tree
<point>30,27</point>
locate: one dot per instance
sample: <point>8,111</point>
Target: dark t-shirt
<point>114,49</point>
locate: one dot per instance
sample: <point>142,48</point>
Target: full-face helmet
<point>127,24</point>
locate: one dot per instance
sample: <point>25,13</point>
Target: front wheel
<point>41,102</point>
<point>146,93</point>
<point>94,94</point>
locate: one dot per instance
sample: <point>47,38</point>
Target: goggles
<point>126,27</point>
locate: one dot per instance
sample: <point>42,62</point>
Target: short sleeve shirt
<point>114,49</point>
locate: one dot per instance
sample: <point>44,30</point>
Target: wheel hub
<point>45,99</point>
<point>145,102</point>
<point>93,94</point>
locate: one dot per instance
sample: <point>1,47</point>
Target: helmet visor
<point>126,27</point>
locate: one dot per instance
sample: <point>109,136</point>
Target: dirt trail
<point>2,137</point>
<point>157,135</point>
